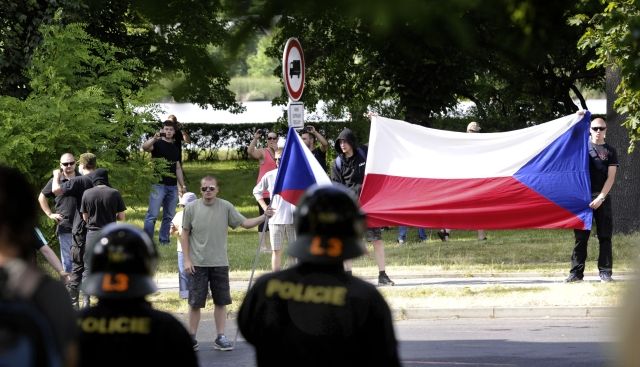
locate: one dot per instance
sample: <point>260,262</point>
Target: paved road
<point>547,342</point>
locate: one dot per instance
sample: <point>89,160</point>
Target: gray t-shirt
<point>208,230</point>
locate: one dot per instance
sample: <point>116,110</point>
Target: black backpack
<point>26,336</point>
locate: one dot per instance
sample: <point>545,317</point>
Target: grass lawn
<point>540,251</point>
<point>545,251</point>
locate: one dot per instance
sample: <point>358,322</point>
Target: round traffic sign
<point>293,69</point>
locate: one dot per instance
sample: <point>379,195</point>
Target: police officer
<point>315,314</point>
<point>123,329</point>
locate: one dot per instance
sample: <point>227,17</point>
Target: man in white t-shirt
<point>281,229</point>
<point>176,229</point>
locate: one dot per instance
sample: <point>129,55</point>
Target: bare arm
<point>182,188</point>
<point>184,243</point>
<point>44,205</point>
<point>253,151</point>
<point>185,136</point>
<point>608,184</point>
<point>324,144</point>
<point>55,184</point>
<point>147,146</point>
<point>53,260</point>
<point>85,217</point>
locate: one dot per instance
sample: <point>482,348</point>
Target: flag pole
<point>255,264</point>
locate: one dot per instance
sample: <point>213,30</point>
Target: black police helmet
<point>329,226</point>
<point>121,263</point>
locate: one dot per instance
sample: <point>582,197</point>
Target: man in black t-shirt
<point>164,193</point>
<point>65,208</point>
<point>309,136</point>
<point>75,188</point>
<point>100,206</point>
<point>603,165</point>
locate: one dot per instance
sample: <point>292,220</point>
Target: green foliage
<point>84,97</point>
<point>261,64</point>
<point>19,36</point>
<point>614,34</point>
<point>416,59</point>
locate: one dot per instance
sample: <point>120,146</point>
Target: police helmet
<point>329,226</point>
<point>121,263</point>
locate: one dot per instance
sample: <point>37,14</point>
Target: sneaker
<point>383,279</point>
<point>222,343</point>
<point>573,278</point>
<point>196,346</point>
<point>605,277</point>
<point>400,241</point>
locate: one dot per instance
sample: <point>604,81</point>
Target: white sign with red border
<point>293,69</point>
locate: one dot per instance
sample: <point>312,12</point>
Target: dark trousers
<point>604,227</point>
<point>75,278</point>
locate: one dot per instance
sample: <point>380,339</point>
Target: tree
<point>614,34</point>
<point>19,36</point>
<point>84,97</point>
<point>416,59</point>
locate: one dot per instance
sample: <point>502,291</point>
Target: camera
<point>162,135</point>
<point>307,129</point>
<point>262,132</point>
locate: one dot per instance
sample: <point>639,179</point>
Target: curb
<point>503,313</point>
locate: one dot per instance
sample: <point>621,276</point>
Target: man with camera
<point>310,136</point>
<point>164,193</point>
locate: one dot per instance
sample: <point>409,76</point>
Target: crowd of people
<point>115,262</point>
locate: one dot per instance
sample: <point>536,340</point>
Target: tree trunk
<point>626,190</point>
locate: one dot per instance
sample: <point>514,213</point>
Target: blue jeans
<point>402,233</point>
<point>65,239</point>
<point>167,197</point>
<point>183,277</point>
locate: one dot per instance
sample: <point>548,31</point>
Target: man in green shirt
<point>204,247</point>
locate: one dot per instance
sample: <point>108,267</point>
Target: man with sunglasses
<point>65,207</point>
<point>266,162</point>
<point>204,248</point>
<point>75,187</point>
<point>603,165</point>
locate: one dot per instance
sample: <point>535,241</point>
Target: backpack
<point>26,336</point>
<point>361,151</point>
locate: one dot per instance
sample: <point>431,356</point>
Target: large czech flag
<point>536,177</point>
<point>298,170</point>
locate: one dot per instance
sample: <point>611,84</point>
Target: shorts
<point>217,278</point>
<point>280,235</point>
<point>374,234</point>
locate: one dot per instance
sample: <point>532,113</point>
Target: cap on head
<point>121,262</point>
<point>473,127</point>
<point>187,197</point>
<point>329,226</point>
<point>88,160</point>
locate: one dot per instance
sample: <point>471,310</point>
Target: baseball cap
<point>473,126</point>
<point>187,197</point>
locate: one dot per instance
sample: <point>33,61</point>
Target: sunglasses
<point>272,137</point>
<point>67,164</point>
<point>208,188</point>
<point>598,128</point>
